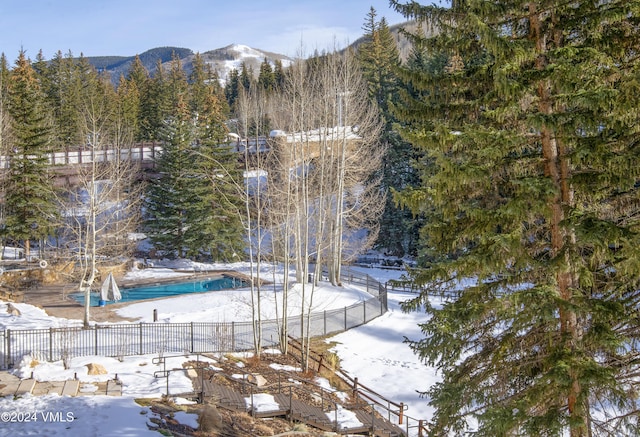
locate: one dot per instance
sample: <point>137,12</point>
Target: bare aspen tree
<point>325,162</point>
<point>252,106</point>
<point>353,158</point>
<point>102,206</point>
<point>294,154</point>
<point>286,187</point>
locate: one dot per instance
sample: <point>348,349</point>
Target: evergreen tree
<point>138,73</point>
<point>533,206</point>
<point>30,203</point>
<point>232,88</point>
<point>4,102</point>
<point>176,86</point>
<point>41,68</point>
<point>127,112</point>
<point>63,82</point>
<point>219,171</point>
<point>278,74</point>
<point>266,77</point>
<point>190,211</point>
<point>218,165</point>
<point>379,60</point>
<point>198,85</point>
<point>4,128</point>
<point>137,81</point>
<point>204,86</point>
<point>169,199</point>
<point>155,105</point>
<point>378,55</point>
<point>246,76</point>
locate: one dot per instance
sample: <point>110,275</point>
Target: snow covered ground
<point>375,353</point>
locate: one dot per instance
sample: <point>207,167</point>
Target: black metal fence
<point>120,340</point>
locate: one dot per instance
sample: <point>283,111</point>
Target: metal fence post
<point>364,311</point>
<point>345,318</point>
<point>140,338</point>
<point>192,341</point>
<point>50,344</point>
<point>96,338</point>
<point>4,350</point>
<point>325,322</point>
<point>8,348</point>
<point>233,336</point>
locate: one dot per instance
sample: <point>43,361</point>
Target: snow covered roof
<point>329,133</point>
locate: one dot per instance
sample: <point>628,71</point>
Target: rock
<point>209,419</point>
<point>257,379</point>
<point>96,369</point>
<point>11,310</point>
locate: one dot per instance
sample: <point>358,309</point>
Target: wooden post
<point>420,428</point>
<point>355,389</point>
<point>401,414</point>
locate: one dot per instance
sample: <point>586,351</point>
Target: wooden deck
<point>294,409</point>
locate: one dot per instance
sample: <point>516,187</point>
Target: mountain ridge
<point>222,60</point>
<point>225,59</point>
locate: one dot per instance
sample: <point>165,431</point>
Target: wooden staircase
<point>294,409</point>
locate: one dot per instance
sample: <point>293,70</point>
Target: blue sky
<point>129,27</point>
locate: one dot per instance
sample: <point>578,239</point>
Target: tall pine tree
<point>218,166</point>
<point>30,202</point>
<point>138,81</point>
<point>188,213</point>
<point>63,86</point>
<point>379,59</point>
<point>155,105</point>
<point>533,200</point>
<point>173,201</point>
<point>266,77</point>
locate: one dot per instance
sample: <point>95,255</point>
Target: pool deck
<point>55,299</point>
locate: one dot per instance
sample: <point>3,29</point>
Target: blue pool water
<point>168,289</point>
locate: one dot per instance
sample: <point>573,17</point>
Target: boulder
<point>209,419</point>
<point>257,379</point>
<point>11,310</point>
<point>96,369</point>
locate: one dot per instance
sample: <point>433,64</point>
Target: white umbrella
<point>110,290</point>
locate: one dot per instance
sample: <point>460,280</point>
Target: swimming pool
<point>168,289</point>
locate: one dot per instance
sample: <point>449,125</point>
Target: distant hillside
<point>117,65</point>
<point>223,60</point>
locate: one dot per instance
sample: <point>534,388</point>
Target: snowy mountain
<point>223,60</point>
<point>231,57</point>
